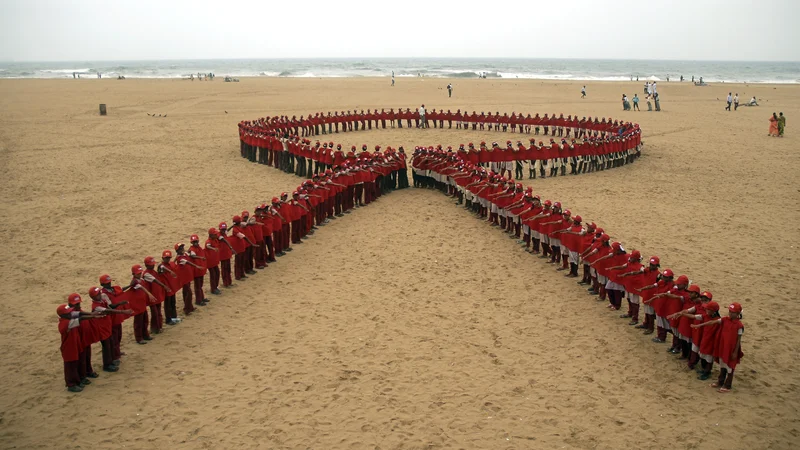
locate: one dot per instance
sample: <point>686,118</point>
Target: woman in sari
<point>773,125</point>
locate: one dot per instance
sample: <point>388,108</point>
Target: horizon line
<point>396,58</point>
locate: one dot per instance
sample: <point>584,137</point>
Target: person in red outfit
<point>650,297</point>
<point>139,303</point>
<point>212,249</point>
<point>168,271</point>
<point>160,289</point>
<point>198,255</point>
<point>114,294</point>
<point>101,304</point>
<point>70,317</point>
<point>226,252</point>
<point>728,345</point>
<point>186,275</point>
<point>709,317</point>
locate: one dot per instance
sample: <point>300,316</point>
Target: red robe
<point>727,338</point>
<point>71,342</point>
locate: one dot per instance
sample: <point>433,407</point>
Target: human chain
<point>596,144</point>
<point>671,305</point>
<point>252,242</point>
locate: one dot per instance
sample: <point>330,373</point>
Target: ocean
<point>545,69</point>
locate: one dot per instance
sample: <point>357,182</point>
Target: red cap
<point>599,230</point>
<point>223,226</point>
<point>636,254</point>
<point>105,279</point>
<point>63,309</point>
<point>213,231</point>
<point>137,269</point>
<point>694,288</point>
<point>178,245</point>
<point>547,203</point>
<point>166,254</point>
<point>73,299</point>
<point>667,273</point>
<point>616,245</point>
<point>735,307</point>
<point>276,200</point>
<point>567,212</point>
<point>605,237</point>
<point>194,238</point>
<point>94,291</point>
<point>557,205</point>
<point>707,295</point>
<point>236,219</point>
<point>654,260</point>
<point>149,261</point>
<point>683,279</point>
<point>711,306</point>
<point>245,214</point>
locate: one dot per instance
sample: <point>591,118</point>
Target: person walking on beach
<point>583,92</point>
<point>781,124</point>
<point>422,122</point>
<point>449,90</point>
<point>773,125</point>
<point>730,100</point>
<point>393,78</point>
<point>657,101</point>
<point>636,102</point>
<point>649,105</point>
<point>647,88</point>
<point>736,101</point>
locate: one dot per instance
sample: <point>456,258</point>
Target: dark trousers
<point>85,367</point>
<point>156,318</point>
<point>213,275</point>
<point>170,308</point>
<point>140,326</point>
<point>71,372</point>
<point>116,340</point>
<point>238,266</point>
<point>226,272</point>
<point>270,249</point>
<point>199,296</point>
<point>108,353</point>
<point>187,298</point>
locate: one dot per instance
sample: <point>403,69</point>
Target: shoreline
<point>387,78</point>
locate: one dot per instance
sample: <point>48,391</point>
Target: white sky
<point>90,30</point>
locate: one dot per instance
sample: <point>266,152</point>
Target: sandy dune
<point>409,323</point>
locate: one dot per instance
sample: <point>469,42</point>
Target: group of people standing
<point>672,305</point>
<point>230,252</point>
<point>352,120</point>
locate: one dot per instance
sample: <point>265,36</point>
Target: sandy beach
<point>408,324</point>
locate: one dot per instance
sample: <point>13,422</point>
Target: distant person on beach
<point>647,88</point>
<point>583,92</point>
<point>393,78</point>
<point>449,90</point>
<point>657,101</point>
<point>692,78</point>
<point>736,101</point>
<point>73,75</point>
<point>649,105</point>
<point>781,124</point>
<point>773,125</point>
<point>653,88</point>
<point>422,122</point>
<point>636,102</point>
<point>753,102</point>
<point>681,78</point>
<point>730,101</point>
<point>626,106</point>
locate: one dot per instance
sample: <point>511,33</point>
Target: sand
<point>407,324</point>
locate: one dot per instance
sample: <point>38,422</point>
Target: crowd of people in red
<point>228,253</point>
<point>337,182</point>
<point>672,305</point>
